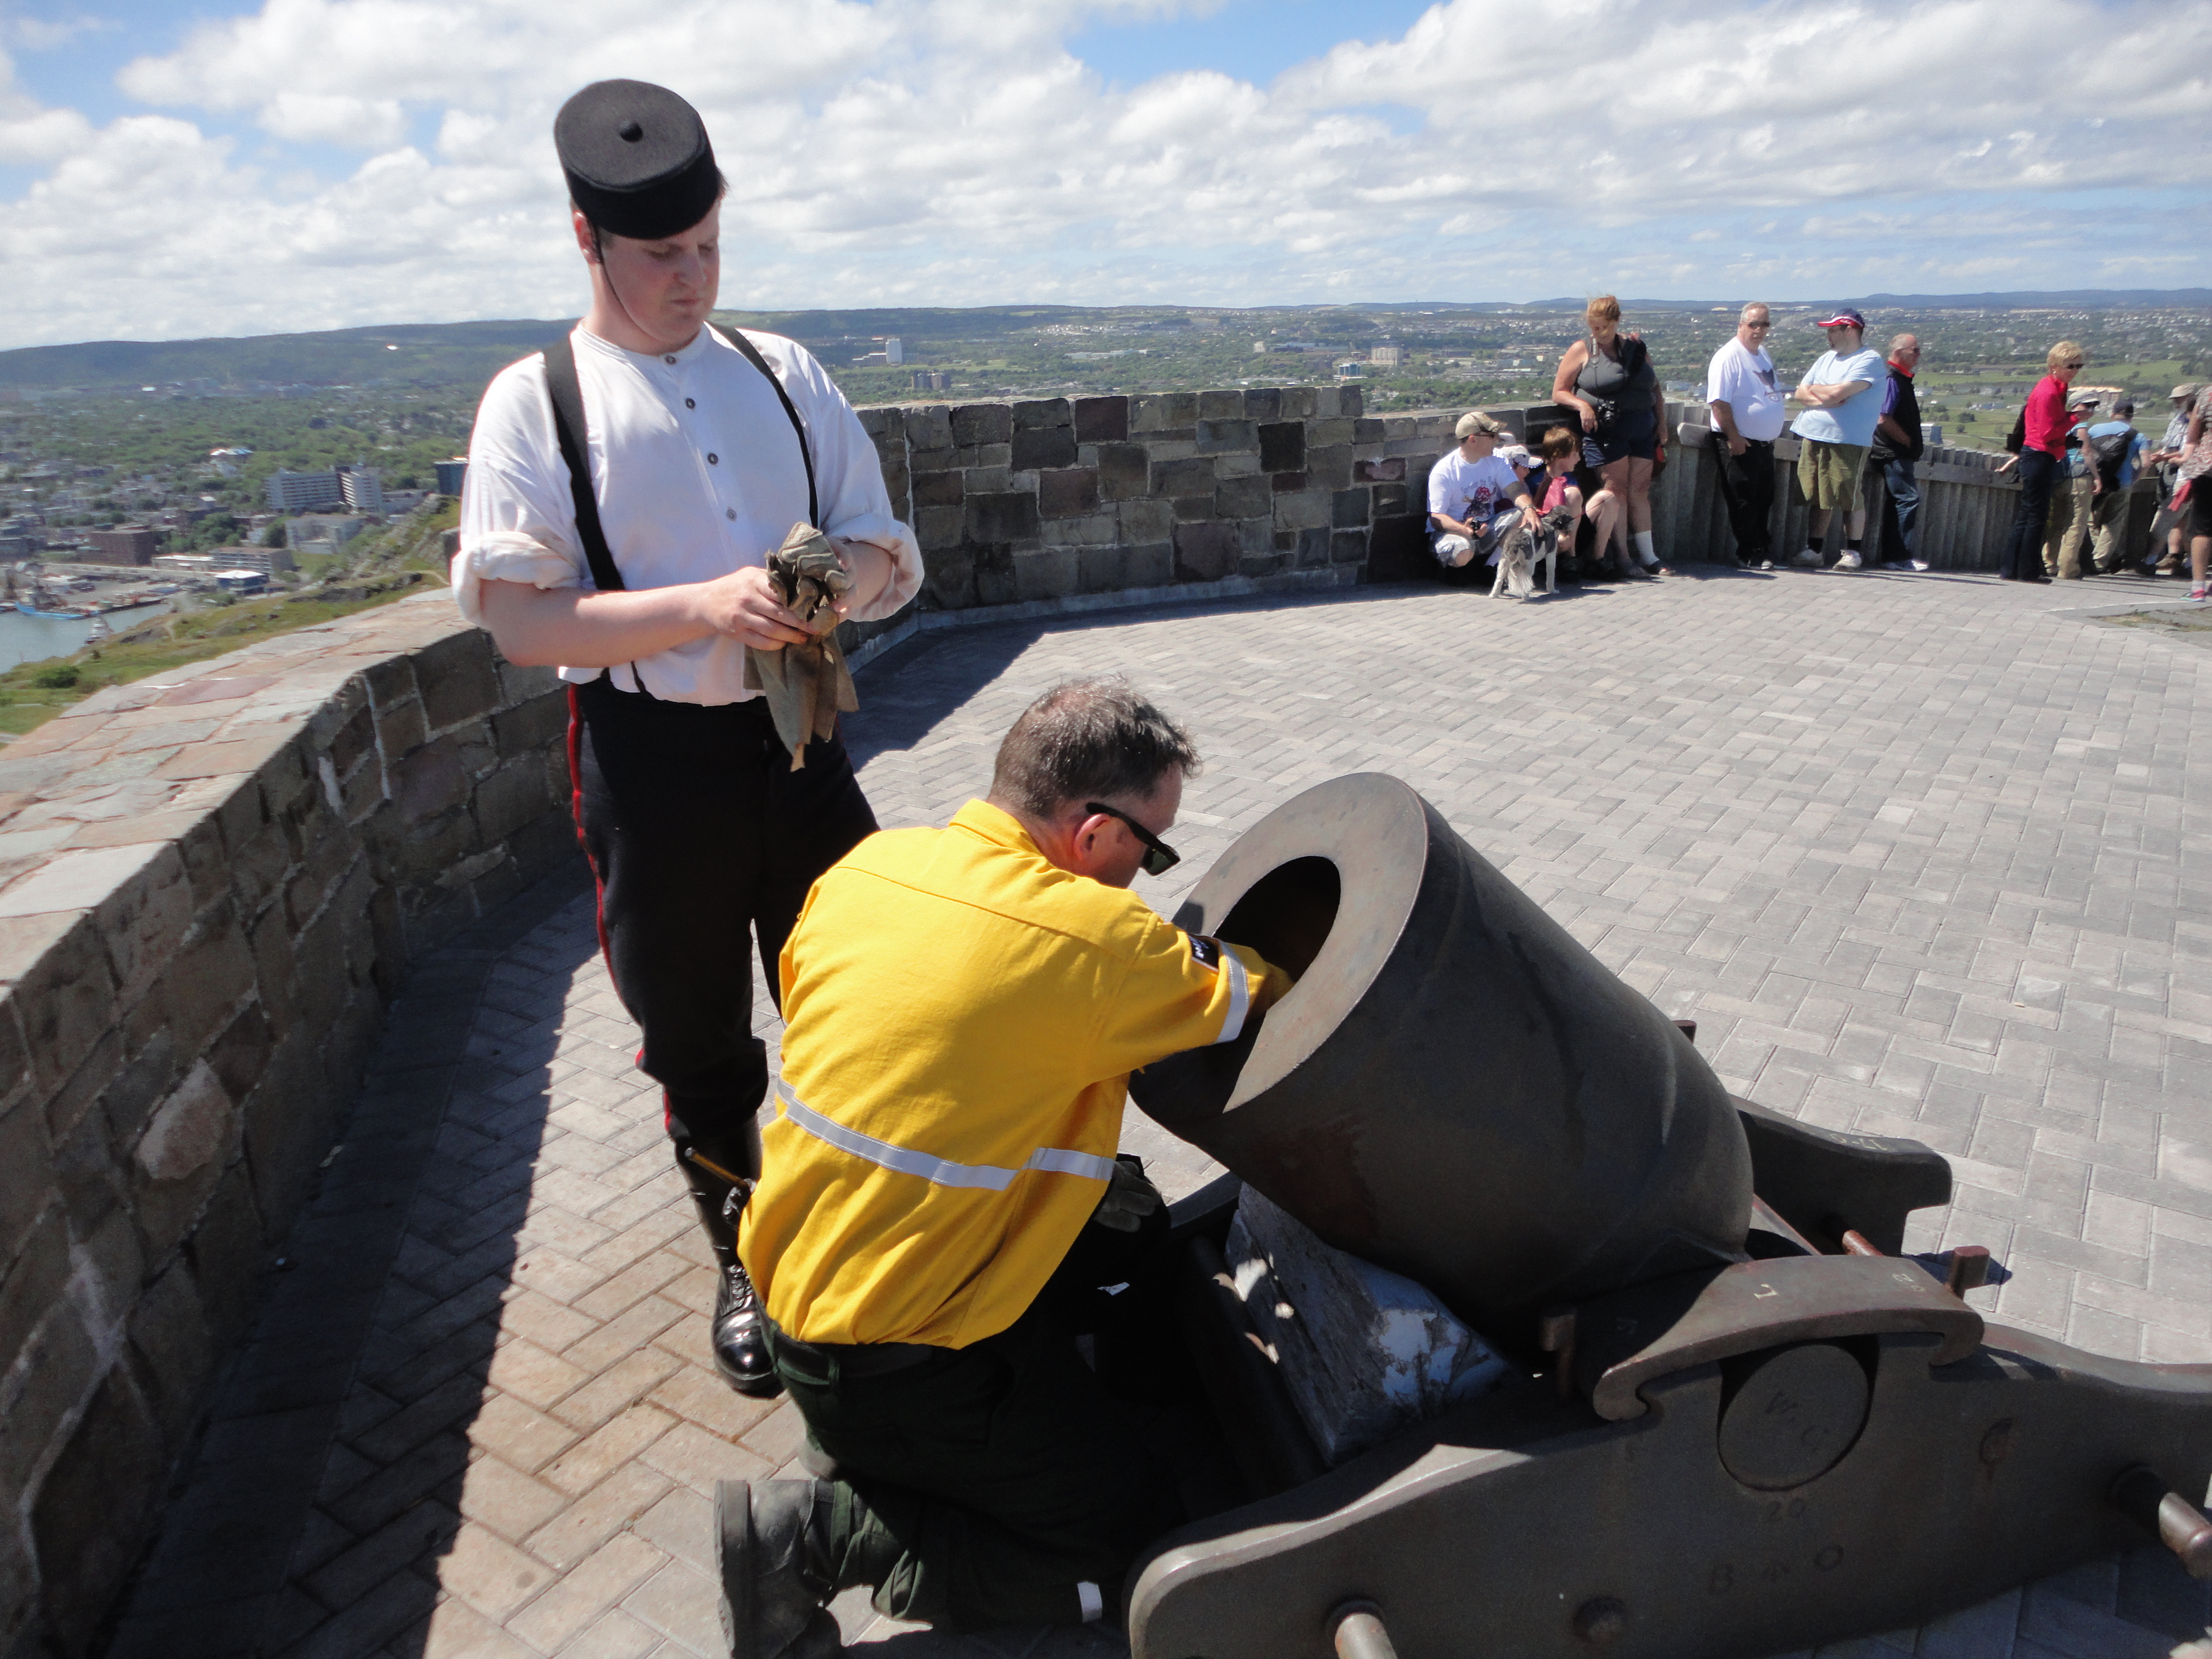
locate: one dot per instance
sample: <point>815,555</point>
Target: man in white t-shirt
<point>1747,404</point>
<point>1842,395</point>
<point>1469,489</point>
<point>645,580</point>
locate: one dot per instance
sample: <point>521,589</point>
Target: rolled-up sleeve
<point>518,518</point>
<point>849,477</point>
<point>1184,991</point>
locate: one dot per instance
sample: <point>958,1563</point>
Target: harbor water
<point>32,638</point>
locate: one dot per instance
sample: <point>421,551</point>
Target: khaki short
<point>1829,473</point>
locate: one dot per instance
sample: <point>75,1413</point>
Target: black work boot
<point>771,1552</point>
<point>741,1348</point>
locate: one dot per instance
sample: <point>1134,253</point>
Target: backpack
<point>2016,440</point>
<point>2110,453</point>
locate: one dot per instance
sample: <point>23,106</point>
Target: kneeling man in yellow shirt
<point>963,1007</point>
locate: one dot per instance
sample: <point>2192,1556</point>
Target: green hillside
<point>432,354</point>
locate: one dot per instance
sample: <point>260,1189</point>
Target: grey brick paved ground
<point>1917,853</point>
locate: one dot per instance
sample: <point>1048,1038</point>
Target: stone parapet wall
<point>212,884</point>
<point>1048,499</point>
<point>1053,503</point>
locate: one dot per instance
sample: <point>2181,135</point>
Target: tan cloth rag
<point>806,684</point>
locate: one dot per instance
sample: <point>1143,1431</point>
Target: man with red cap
<point>625,488</point>
<point>1842,395</point>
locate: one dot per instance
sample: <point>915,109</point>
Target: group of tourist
<point>2075,472</point>
<point>1860,413</point>
<point>1861,418</point>
<point>1860,423</point>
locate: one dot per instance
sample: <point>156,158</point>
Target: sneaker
<point>1847,561</point>
<point>2197,592</point>
<point>1809,559</point>
<point>1912,564</point>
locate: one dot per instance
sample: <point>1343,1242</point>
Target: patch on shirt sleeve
<point>1205,952</point>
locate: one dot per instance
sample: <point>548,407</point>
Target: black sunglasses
<point>1159,857</point>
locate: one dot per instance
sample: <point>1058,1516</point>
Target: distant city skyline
<point>291,165</point>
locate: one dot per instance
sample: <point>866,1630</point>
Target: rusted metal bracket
<point>1634,1336</point>
<point>1966,1269</point>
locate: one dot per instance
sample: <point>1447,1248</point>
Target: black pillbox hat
<point>637,158</point>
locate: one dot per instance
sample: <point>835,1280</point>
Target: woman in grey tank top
<point>1624,417</point>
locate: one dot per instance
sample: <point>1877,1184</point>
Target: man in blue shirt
<point>2115,452</point>
<point>1842,395</point>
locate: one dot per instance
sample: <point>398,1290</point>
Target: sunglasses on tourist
<point>1159,857</point>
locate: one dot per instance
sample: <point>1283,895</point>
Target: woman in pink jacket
<point>2042,461</point>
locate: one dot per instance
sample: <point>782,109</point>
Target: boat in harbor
<point>54,616</point>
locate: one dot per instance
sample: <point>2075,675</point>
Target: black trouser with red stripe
<point>701,836</point>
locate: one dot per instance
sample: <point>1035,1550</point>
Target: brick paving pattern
<point>1913,851</point>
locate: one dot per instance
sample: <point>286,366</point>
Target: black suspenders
<point>569,428</point>
<point>805,454</point>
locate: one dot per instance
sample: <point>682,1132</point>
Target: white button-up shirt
<point>698,473</point>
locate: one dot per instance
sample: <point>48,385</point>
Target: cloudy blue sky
<point>240,166</point>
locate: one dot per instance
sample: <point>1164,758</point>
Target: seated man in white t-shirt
<point>1468,492</point>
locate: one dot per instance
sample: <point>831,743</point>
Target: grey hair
<point>1897,342</point>
<point>1750,305</point>
<point>1088,740</point>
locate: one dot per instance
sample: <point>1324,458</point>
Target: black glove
<point>1130,1197</point>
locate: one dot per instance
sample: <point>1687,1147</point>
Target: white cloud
<point>322,117</point>
<point>47,34</point>
<point>956,152</point>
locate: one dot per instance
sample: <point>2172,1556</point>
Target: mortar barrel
<point>1456,1088</point>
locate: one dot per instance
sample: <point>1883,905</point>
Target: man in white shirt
<point>1468,492</point>
<point>1747,404</point>
<point>646,586</point>
<point>1842,395</point>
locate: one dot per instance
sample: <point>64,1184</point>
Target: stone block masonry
<point>1060,503</point>
<point>212,885</point>
<point>1053,500</point>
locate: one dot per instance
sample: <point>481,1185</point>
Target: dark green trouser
<point>985,1485</point>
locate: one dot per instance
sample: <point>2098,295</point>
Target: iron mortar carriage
<point>1709,1409</point>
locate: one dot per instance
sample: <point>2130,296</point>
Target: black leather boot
<point>741,1348</point>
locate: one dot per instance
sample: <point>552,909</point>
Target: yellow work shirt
<point>961,1019</point>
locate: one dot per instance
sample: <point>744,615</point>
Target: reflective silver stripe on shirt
<point>943,1172</point>
<point>1240,995</point>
